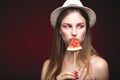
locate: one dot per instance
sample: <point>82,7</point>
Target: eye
<point>81,25</point>
<point>67,26</point>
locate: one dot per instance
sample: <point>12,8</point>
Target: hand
<point>67,76</point>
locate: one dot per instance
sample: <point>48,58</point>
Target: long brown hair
<point>59,48</point>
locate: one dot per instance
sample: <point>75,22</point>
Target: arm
<point>45,65</point>
<point>62,76</point>
<point>100,69</point>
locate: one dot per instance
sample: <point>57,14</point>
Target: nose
<point>74,32</point>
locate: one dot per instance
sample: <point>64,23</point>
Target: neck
<point>71,57</point>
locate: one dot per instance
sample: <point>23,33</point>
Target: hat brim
<point>91,14</point>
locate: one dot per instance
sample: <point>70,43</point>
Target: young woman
<point>85,64</point>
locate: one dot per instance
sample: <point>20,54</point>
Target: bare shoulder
<point>100,68</point>
<point>99,62</point>
<point>44,68</point>
<point>46,62</point>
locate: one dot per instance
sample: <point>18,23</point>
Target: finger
<point>84,73</point>
<point>81,69</point>
<point>66,75</point>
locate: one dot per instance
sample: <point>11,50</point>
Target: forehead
<point>73,17</point>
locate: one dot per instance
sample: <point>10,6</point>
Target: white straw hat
<point>75,4</point>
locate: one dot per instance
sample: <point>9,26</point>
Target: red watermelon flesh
<point>74,45</point>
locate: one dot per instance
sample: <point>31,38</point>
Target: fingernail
<point>77,77</point>
<point>76,73</point>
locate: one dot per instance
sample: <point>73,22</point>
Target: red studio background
<point>26,36</point>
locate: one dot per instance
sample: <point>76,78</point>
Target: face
<point>73,25</point>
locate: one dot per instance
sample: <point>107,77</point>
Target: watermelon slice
<point>74,45</point>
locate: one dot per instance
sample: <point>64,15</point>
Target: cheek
<point>65,36</point>
<point>82,36</point>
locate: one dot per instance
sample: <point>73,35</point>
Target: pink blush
<point>63,34</point>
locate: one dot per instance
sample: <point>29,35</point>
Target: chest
<point>84,72</point>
